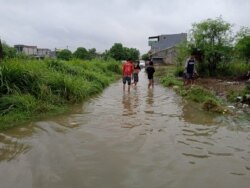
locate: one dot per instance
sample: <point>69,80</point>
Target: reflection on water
<point>10,148</point>
<point>130,103</point>
<point>193,113</point>
<point>11,144</point>
<point>150,97</point>
<point>146,138</point>
<point>127,104</point>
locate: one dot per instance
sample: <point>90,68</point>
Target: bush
<point>233,69</point>
<point>211,104</point>
<point>170,81</point>
<point>179,71</point>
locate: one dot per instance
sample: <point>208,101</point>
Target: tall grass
<point>233,69</point>
<point>29,88</point>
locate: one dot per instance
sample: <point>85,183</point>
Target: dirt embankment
<point>221,87</point>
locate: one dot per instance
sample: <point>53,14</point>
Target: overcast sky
<point>101,23</point>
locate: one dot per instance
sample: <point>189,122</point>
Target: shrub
<point>170,81</point>
<point>199,94</point>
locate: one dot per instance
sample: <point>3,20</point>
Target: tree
<point>7,51</point>
<point>64,54</point>
<point>145,57</point>
<point>212,38</point>
<point>242,46</point>
<point>1,51</point>
<point>105,55</point>
<point>243,32</point>
<point>81,53</point>
<point>92,53</point>
<point>117,52</point>
<point>182,53</point>
<point>133,54</point>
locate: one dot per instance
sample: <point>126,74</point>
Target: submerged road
<point>148,138</point>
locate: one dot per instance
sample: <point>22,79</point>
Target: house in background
<point>27,50</point>
<point>43,52</point>
<point>163,47</point>
<point>33,51</point>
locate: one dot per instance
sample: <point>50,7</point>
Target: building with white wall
<point>34,51</point>
<point>163,47</point>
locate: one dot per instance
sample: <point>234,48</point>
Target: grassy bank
<point>209,102</point>
<point>33,88</point>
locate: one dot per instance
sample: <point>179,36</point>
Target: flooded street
<point>148,138</point>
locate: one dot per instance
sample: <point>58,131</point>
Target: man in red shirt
<point>127,72</point>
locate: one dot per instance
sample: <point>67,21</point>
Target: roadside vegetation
<point>168,78</point>
<point>32,88</point>
<point>218,51</point>
<point>220,54</point>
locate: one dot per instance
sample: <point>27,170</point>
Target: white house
<point>28,50</point>
<point>34,51</point>
<point>43,52</point>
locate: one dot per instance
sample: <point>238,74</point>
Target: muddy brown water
<point>142,139</point>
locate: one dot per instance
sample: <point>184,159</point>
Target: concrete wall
<point>42,52</point>
<point>166,56</point>
<point>30,50</point>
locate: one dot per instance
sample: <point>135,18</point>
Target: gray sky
<point>101,23</point>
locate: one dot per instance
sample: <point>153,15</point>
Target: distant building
<point>43,52</point>
<point>163,47</point>
<point>27,50</point>
<point>39,53</point>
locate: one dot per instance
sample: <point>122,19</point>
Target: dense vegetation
<point>31,88</point>
<point>218,51</point>
<point>119,52</point>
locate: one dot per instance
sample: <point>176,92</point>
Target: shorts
<point>136,77</point>
<point>189,76</point>
<point>126,79</point>
<point>150,77</point>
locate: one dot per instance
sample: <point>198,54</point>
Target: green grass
<point>233,69</point>
<point>32,88</point>
<point>170,80</point>
<point>194,93</point>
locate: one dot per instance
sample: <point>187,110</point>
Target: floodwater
<point>148,138</point>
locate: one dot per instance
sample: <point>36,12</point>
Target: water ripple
<point>196,155</point>
<point>220,154</point>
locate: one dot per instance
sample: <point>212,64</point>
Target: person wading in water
<point>137,69</point>
<point>127,73</point>
<point>150,71</point>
